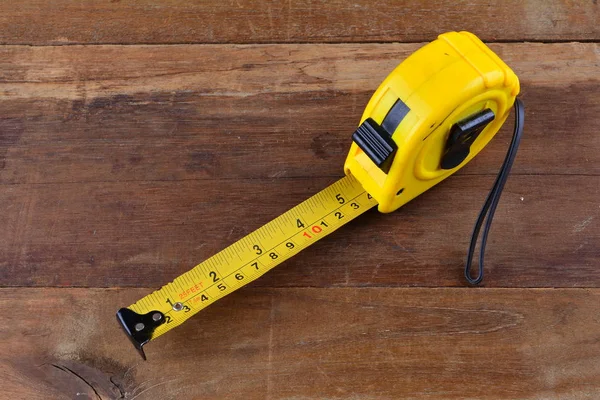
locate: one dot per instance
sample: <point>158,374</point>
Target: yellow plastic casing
<point>442,83</point>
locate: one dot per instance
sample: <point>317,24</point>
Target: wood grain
<point>377,343</point>
<point>129,176</point>
<point>124,166</point>
<point>545,233</point>
<point>235,112</point>
<point>252,21</point>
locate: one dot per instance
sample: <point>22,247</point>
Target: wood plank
<point>253,21</point>
<point>372,343</point>
<point>199,112</point>
<point>545,233</point>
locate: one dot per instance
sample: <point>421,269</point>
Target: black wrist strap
<point>489,207</point>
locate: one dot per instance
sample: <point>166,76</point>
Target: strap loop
<point>489,207</point>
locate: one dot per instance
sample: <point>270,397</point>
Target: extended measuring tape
<point>428,118</point>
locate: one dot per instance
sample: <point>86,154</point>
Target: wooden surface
<point>341,343</point>
<point>260,21</point>
<point>124,164</point>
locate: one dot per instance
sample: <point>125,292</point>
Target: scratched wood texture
<point>253,21</point>
<point>139,137</point>
<point>309,343</point>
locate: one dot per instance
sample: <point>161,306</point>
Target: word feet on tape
<point>429,117</point>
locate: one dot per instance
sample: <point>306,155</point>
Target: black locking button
<point>462,135</point>
<point>376,143</point>
<point>376,140</point>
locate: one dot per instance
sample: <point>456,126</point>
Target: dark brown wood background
<point>138,137</point>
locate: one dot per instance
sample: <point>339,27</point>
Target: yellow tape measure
<point>254,255</point>
<point>429,117</point>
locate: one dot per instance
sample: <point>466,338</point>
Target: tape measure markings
<point>253,274</point>
<point>257,253</point>
<point>287,240</point>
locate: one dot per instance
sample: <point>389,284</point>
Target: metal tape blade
<point>244,261</point>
